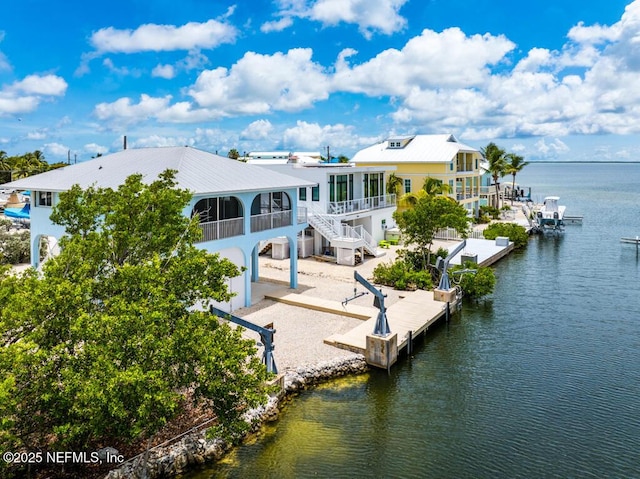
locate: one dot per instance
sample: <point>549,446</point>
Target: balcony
<point>215,230</point>
<point>268,221</point>
<point>361,204</point>
<point>465,194</point>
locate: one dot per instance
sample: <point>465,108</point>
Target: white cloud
<point>47,85</point>
<point>552,149</point>
<point>276,25</point>
<point>259,84</point>
<point>151,37</point>
<point>371,16</point>
<point>56,149</point>
<point>258,130</point>
<point>4,62</point>
<point>429,61</point>
<point>123,110</point>
<point>164,71</point>
<point>26,95</point>
<point>313,136</point>
<point>40,134</point>
<point>94,149</point>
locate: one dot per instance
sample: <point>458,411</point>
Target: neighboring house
<point>282,157</point>
<point>417,157</point>
<point>349,209</point>
<point>487,187</point>
<point>239,205</point>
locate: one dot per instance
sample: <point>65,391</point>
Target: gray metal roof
<point>197,171</point>
<point>421,149</point>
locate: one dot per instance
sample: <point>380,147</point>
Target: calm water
<point>540,380</point>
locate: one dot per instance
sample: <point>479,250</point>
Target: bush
<point>400,275</point>
<point>515,233</point>
<point>478,284</point>
<point>15,248</point>
<point>489,211</point>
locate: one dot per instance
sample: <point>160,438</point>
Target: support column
<point>255,265</point>
<point>293,261</point>
<point>35,251</point>
<point>247,276</point>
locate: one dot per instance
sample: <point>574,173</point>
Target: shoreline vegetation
<point>195,449</point>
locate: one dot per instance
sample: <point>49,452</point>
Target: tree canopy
<point>113,339</point>
<point>21,166</point>
<point>420,223</point>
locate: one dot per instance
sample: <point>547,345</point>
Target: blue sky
<point>550,80</point>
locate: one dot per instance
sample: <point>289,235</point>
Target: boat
<point>23,213</point>
<point>550,216</point>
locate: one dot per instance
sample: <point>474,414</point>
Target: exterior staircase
<point>340,234</point>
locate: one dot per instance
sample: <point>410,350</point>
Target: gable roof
<point>416,149</point>
<point>197,171</point>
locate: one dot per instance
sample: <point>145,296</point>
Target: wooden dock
<point>416,312</point>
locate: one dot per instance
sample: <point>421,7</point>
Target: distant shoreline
<point>536,162</point>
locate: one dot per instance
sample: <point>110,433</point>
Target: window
<point>407,185</point>
<point>451,166</point>
<point>315,193</point>
<point>214,209</point>
<point>302,194</point>
<point>45,198</point>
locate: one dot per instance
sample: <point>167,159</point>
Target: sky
<point>548,80</point>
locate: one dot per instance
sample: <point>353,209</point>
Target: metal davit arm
<point>266,336</point>
<point>382,325</point>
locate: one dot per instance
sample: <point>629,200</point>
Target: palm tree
<point>495,156</point>
<point>394,183</point>
<point>5,165</point>
<point>431,187</point>
<point>435,187</point>
<point>514,164</point>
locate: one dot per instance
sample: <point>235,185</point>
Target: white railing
<point>361,204</point>
<point>214,230</point>
<point>268,221</point>
<point>453,234</point>
<point>302,215</point>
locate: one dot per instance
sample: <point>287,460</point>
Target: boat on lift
<point>550,216</point>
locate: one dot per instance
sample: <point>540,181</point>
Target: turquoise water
<point>540,380</point>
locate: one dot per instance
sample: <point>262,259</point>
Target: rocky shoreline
<point>195,449</point>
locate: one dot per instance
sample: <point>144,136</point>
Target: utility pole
<point>328,155</point>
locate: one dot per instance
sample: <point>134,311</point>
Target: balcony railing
<point>360,204</point>
<point>269,221</point>
<point>302,215</point>
<point>465,194</point>
<point>215,230</point>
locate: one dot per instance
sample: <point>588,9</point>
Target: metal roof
<point>198,171</point>
<point>421,149</point>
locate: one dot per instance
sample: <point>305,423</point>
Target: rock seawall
<point>195,449</point>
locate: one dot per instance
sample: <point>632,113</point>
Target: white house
<point>348,207</point>
<point>239,205</point>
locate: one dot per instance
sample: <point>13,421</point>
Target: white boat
<point>550,216</point>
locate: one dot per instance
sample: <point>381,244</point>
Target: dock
<point>414,313</point>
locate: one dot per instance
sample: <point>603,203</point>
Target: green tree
<point>514,165</point>
<point>343,159</point>
<point>478,284</point>
<point>233,154</point>
<point>420,223</point>
<point>394,184</point>
<point>114,338</point>
<point>431,187</point>
<point>495,156</point>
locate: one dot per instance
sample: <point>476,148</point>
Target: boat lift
<point>443,266</point>
<point>266,336</point>
<point>382,325</point>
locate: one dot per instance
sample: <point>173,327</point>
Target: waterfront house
<point>348,208</point>
<point>441,157</point>
<point>239,205</point>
